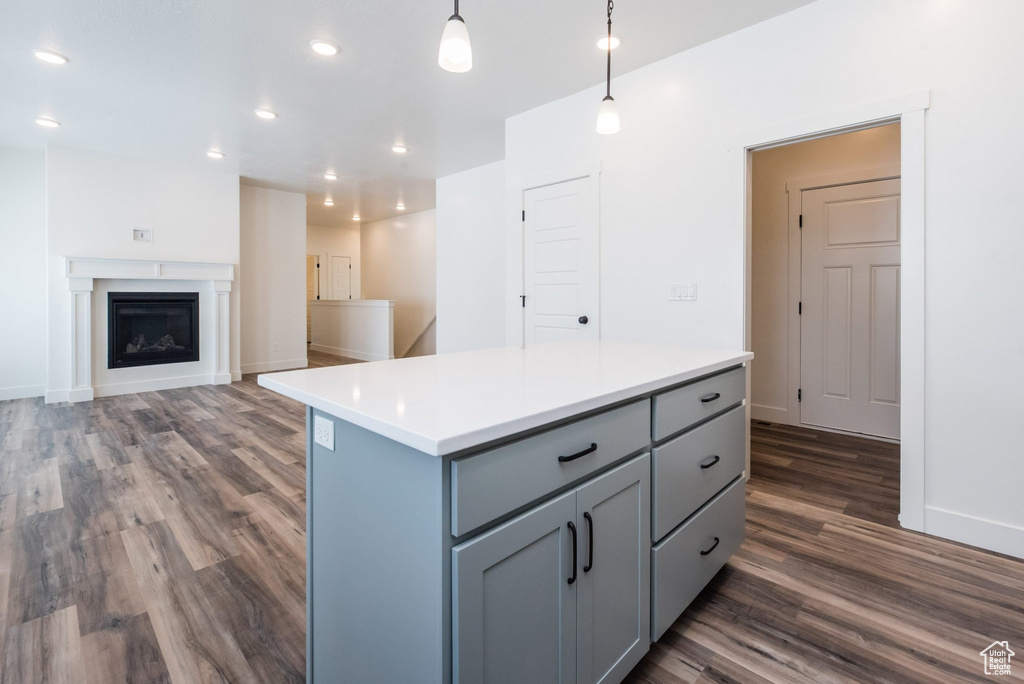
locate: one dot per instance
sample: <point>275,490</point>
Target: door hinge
<point>800,309</point>
<point>799,395</point>
<point>350,266</point>
<point>523,297</point>
<point>318,296</point>
<point>524,214</point>
<point>318,265</point>
<point>801,220</point>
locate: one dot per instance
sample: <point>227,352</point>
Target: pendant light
<point>608,114</point>
<point>456,54</point>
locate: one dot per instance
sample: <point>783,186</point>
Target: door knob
<point>584,320</point>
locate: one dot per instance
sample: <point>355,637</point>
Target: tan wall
<point>399,263</point>
<point>870,149</point>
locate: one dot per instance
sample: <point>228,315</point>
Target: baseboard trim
<point>23,392</point>
<point>772,414</point>
<point>349,353</point>
<point>117,389</point>
<point>236,376</point>
<point>968,529</point>
<point>268,366</point>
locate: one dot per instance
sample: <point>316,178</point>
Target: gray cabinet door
<point>513,608</point>
<point>614,607</point>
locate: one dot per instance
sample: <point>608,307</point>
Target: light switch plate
<point>323,432</point>
<point>142,235</point>
<point>682,292</point>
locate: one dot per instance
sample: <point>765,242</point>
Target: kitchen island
<point>528,515</point>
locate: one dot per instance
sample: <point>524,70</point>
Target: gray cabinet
<point>560,593</point>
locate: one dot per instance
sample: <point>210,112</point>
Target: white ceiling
<point>168,79</point>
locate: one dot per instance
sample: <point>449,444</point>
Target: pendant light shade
<point>608,116</point>
<point>608,113</point>
<point>456,53</point>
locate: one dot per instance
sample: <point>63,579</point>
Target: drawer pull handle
<point>572,528</point>
<point>706,551</point>
<point>590,527</point>
<point>708,398</point>
<point>710,462</point>
<point>589,450</point>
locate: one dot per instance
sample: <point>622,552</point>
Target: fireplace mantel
<point>82,271</point>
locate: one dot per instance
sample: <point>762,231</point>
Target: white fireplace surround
<point>81,272</point>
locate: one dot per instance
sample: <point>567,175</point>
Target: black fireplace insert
<point>150,328</point>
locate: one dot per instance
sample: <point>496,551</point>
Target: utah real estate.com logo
<point>997,658</point>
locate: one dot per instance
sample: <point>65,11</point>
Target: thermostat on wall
<point>142,235</point>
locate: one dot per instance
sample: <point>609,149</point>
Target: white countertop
<point>449,402</point>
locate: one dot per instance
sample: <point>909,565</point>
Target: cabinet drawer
<point>691,468</point>
<point>680,408</point>
<point>679,566</point>
<point>490,484</point>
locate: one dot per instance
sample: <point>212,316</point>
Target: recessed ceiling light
<point>399,149</point>
<point>50,57</point>
<point>331,176</point>
<point>266,114</point>
<point>602,42</point>
<point>48,123</point>
<point>322,47</point>
<point>214,154</point>
<point>328,202</point>
<point>400,207</point>
<point>355,217</point>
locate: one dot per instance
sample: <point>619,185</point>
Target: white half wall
<point>93,203</point>
<point>471,259</point>
<point>358,329</point>
<point>325,242</point>
<point>669,187</point>
<point>399,263</point>
<point>272,279</point>
<point>771,334</point>
<point>22,273</point>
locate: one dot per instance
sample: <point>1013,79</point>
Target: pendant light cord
<point>611,6</point>
<point>456,7</point>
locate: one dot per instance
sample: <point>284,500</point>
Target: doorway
<point>825,274</point>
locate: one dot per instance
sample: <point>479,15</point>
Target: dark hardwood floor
<point>159,537</point>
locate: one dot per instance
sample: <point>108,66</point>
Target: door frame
<point>909,111</point>
<point>515,319</point>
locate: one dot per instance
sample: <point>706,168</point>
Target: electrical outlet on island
<point>323,432</point>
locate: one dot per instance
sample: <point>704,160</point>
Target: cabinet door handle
<point>572,528</point>
<point>710,462</point>
<point>707,398</point>
<point>704,552</point>
<point>589,450</point>
<point>590,528</point>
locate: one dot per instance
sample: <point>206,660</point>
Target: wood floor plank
<point>40,489</point>
<point>46,650</point>
<point>196,644</point>
<point>133,497</point>
<point>124,653</point>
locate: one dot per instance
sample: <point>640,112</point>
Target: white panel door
<point>560,262</point>
<point>341,277</point>
<point>850,291</point>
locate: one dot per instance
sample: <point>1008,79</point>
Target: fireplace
<point>150,328</point>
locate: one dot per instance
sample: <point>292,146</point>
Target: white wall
<point>273,279</point>
<point>398,258</point>
<point>867,150</point>
<point>471,259</point>
<point>22,273</point>
<point>94,200</point>
<point>326,242</point>
<point>668,195</point>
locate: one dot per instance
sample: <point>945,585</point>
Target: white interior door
<point>560,261</point>
<point>341,277</point>
<point>850,291</point>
